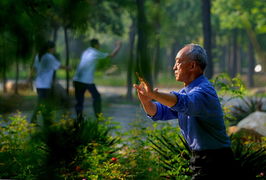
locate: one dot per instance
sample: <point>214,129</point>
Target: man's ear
<point>193,65</point>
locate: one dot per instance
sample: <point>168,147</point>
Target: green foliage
<point>137,154</point>
<point>228,89</point>
<point>173,151</point>
<point>237,13</point>
<point>103,64</point>
<point>38,152</point>
<point>86,150</point>
<point>174,16</point>
<point>99,163</point>
<point>64,139</point>
<point>250,157</point>
<point>19,156</point>
<point>225,85</point>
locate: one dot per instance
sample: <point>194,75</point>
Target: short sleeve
<point>55,64</point>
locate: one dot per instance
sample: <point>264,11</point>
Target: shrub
<point>19,156</point>
<point>137,155</point>
<point>173,152</point>
<point>250,157</point>
<point>64,140</point>
<point>100,163</point>
<point>52,151</point>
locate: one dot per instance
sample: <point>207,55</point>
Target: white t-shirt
<point>45,69</point>
<point>87,65</point>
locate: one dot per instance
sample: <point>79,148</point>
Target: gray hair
<point>198,54</point>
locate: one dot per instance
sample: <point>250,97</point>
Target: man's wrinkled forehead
<point>182,53</point>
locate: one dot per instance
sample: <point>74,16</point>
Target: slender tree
<point>156,25</point>
<point>207,34</point>
<point>130,65</point>
<point>251,66</point>
<point>143,60</point>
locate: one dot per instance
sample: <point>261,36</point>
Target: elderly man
<point>199,112</point>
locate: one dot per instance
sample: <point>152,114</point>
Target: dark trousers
<point>80,89</point>
<point>43,93</point>
<point>216,164</point>
<point>43,105</point>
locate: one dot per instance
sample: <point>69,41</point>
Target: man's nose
<point>175,67</point>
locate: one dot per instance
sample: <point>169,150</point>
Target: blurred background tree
<point>152,31</point>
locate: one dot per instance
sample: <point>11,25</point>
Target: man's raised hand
<point>145,92</point>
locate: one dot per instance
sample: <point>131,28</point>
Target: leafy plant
<point>174,155</point>
<point>250,158</point>
<point>100,163</point>
<point>50,151</point>
<point>64,139</point>
<point>137,155</point>
<point>19,156</point>
<point>228,89</point>
<point>227,86</point>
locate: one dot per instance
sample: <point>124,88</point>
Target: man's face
<point>182,65</point>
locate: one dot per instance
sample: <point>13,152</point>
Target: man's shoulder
<point>48,56</point>
<point>207,88</point>
<point>92,50</point>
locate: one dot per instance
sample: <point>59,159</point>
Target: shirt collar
<point>194,83</point>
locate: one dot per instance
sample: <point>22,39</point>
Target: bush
<point>250,157</point>
<point>20,157</point>
<point>51,151</point>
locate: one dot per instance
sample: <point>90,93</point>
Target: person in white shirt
<point>45,65</point>
<point>84,77</point>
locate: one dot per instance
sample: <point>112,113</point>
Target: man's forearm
<point>166,99</point>
<point>149,107</point>
<point>115,51</point>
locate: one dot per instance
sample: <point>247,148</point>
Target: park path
<point>125,113</point>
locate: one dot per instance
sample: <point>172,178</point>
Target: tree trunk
<point>130,65</point>
<point>228,56</point>
<point>55,34</point>
<point>156,57</point>
<point>4,66</point>
<point>239,60</point>
<point>17,76</point>
<point>67,59</point>
<point>222,58</point>
<point>206,19</point>
<point>143,60</point>
<point>4,78</point>
<point>233,62</point>
<point>251,65</point>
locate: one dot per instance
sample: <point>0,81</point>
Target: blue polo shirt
<point>199,115</point>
